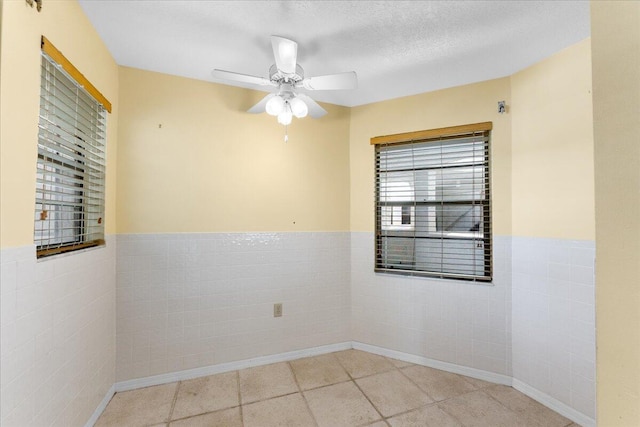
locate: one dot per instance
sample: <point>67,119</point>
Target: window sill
<point>417,275</point>
<point>69,252</point>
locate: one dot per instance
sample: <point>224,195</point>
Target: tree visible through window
<point>433,214</point>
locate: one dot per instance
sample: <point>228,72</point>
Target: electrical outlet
<point>277,310</point>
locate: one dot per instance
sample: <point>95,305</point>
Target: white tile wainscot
<point>553,314</point>
<point>457,322</point>
<point>58,335</point>
<point>193,300</point>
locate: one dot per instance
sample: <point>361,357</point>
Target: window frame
<point>383,262</point>
<point>71,163</point>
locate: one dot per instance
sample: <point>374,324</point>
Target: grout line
<point>192,415</point>
<point>327,385</point>
<point>188,417</point>
<point>460,395</point>
<point>304,398</point>
<point>269,398</point>
<point>239,397</point>
<point>345,369</point>
<point>363,393</point>
<point>173,403</point>
<point>416,384</point>
<point>500,403</point>
<point>266,398</point>
<point>411,410</point>
<point>464,377</point>
<point>448,413</point>
<point>353,380</point>
<point>382,417</point>
<point>437,402</point>
<point>363,376</point>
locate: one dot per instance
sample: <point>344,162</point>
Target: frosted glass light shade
<point>274,106</point>
<point>299,108</point>
<point>285,117</point>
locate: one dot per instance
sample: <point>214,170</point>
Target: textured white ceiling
<point>397,48</point>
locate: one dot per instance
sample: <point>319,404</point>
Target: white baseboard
<point>553,403</point>
<point>535,394</point>
<point>493,377</point>
<point>103,404</point>
<point>436,364</point>
<point>230,366</point>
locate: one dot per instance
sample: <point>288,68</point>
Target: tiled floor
<point>347,388</point>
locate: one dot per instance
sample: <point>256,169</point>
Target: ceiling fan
<point>288,76</point>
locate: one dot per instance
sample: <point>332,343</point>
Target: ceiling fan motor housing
<point>288,76</point>
<point>278,77</point>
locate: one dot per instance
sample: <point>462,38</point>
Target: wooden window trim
<point>425,137</point>
<point>58,57</point>
<point>56,69</point>
<point>431,133</point>
<point>42,253</point>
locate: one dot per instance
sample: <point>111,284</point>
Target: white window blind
<point>70,183</point>
<point>433,212</point>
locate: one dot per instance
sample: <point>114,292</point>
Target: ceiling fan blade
<point>285,52</point>
<point>260,106</point>
<point>315,110</point>
<point>340,81</point>
<point>243,78</point>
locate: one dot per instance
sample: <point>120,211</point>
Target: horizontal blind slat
<point>433,209</point>
<point>54,76</point>
<point>72,164</point>
<point>51,138</point>
<point>69,203</point>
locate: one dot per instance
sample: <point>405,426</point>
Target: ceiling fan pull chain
<point>286,133</point>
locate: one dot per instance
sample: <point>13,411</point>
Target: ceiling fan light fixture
<point>275,106</point>
<point>299,108</point>
<point>284,118</point>
<point>288,76</point>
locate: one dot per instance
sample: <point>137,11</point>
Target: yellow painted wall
<point>66,26</point>
<point>449,107</point>
<point>192,160</point>
<point>552,147</point>
<point>615,32</point>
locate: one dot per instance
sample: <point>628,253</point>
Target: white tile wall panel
<point>554,319</point>
<point>186,301</point>
<point>452,321</point>
<point>57,329</point>
<point>199,299</point>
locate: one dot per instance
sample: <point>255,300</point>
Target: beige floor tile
<point>399,363</point>
<point>392,393</point>
<point>264,382</point>
<point>318,371</point>
<point>206,394</point>
<point>439,385</point>
<point>271,397</point>
<point>527,408</point>
<point>428,416</point>
<point>144,406</point>
<point>340,405</point>
<point>285,411</point>
<point>360,364</point>
<point>477,409</point>
<point>224,418</point>
<point>478,383</point>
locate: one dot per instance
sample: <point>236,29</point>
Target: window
<point>433,211</point>
<point>70,181</point>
